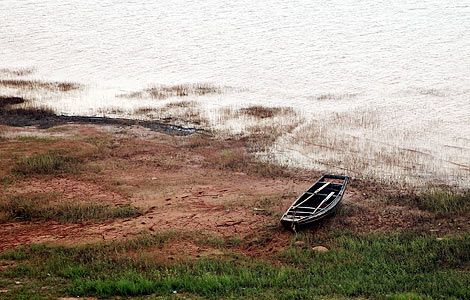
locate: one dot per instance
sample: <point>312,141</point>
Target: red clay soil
<point>178,186</point>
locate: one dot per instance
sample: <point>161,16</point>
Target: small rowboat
<point>319,201</point>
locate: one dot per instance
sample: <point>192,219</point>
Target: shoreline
<point>188,199</point>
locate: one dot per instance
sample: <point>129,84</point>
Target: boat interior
<point>315,199</point>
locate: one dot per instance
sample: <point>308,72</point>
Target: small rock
<point>17,282</point>
<point>174,292</point>
<point>154,178</point>
<point>299,243</point>
<point>320,249</point>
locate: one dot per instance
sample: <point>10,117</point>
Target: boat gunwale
<point>325,211</point>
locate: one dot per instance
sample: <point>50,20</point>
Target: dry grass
<point>110,110</point>
<point>258,112</point>
<point>432,92</point>
<point>47,206</point>
<point>331,96</point>
<point>258,126</point>
<point>3,138</point>
<point>37,84</point>
<point>197,141</point>
<point>145,110</point>
<point>182,104</point>
<point>182,112</point>
<point>354,142</point>
<point>17,72</point>
<point>262,112</point>
<point>240,161</point>
<point>180,90</point>
<point>367,119</point>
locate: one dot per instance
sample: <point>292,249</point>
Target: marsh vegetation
<point>19,72</point>
<point>37,84</point>
<point>179,90</point>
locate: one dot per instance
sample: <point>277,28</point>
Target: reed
<point>180,112</point>
<point>180,90</point>
<point>38,84</point>
<point>262,112</point>
<point>331,96</point>
<point>16,72</point>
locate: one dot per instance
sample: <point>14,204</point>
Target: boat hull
<point>320,201</point>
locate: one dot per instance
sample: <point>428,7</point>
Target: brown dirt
<point>177,184</point>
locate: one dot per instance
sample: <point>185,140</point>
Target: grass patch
<point>17,72</point>
<point>45,207</point>
<point>197,141</point>
<point>6,180</point>
<point>240,161</point>
<point>436,200</point>
<point>179,90</point>
<point>407,296</point>
<point>28,139</point>
<point>373,267</point>
<point>52,162</point>
<point>442,202</point>
<point>263,112</point>
<point>331,96</point>
<point>37,84</point>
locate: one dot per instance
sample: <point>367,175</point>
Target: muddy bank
<point>46,118</point>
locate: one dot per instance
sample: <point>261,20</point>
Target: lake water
<point>408,61</point>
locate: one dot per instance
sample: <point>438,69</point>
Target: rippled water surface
<point>407,61</point>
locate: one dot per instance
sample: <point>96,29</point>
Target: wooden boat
<point>319,201</point>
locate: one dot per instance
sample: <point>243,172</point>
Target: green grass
<point>407,296</point>
<point>441,202</point>
<point>52,162</point>
<point>35,139</point>
<point>41,207</point>
<point>402,266</point>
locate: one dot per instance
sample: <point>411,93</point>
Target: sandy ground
<point>175,182</point>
